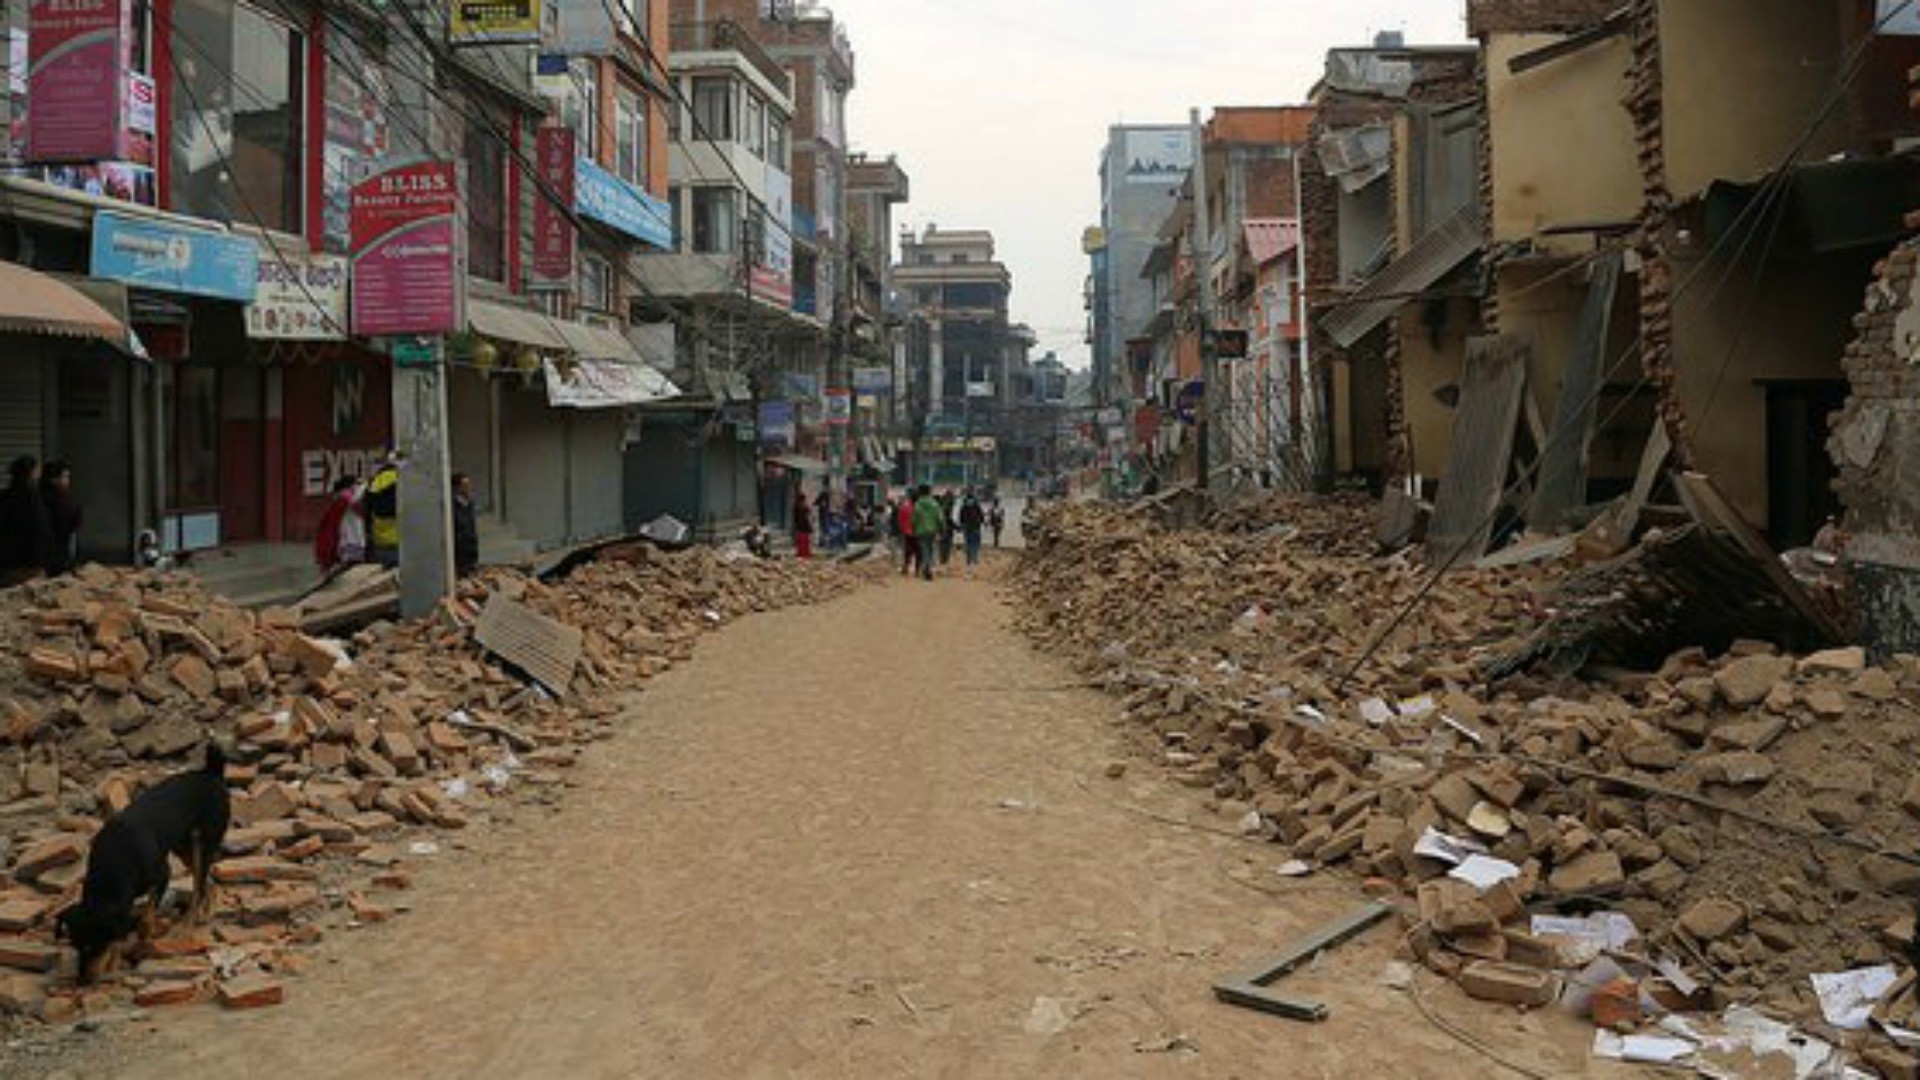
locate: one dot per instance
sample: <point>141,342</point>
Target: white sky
<point>998,109</point>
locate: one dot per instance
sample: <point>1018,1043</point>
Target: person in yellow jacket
<point>383,515</point>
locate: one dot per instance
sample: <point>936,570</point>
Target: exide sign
<point>408,267</point>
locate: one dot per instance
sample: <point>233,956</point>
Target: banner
<point>75,87</point>
<point>408,276</point>
<point>772,277</point>
<point>613,202</point>
<point>873,380</point>
<point>300,297</point>
<point>776,423</point>
<point>552,226</point>
<point>494,22</point>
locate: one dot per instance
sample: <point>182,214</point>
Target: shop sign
<point>776,423</point>
<point>799,385</point>
<point>772,274</point>
<point>873,380</point>
<point>171,259</point>
<point>299,297</point>
<point>613,202</point>
<point>839,408</point>
<point>75,89</point>
<point>579,28</point>
<point>494,22</point>
<point>552,226</point>
<point>407,258</point>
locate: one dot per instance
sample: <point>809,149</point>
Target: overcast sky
<point>998,108</point>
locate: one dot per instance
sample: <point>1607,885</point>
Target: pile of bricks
<point>1752,814</point>
<point>110,680</point>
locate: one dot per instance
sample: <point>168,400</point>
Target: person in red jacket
<point>909,543</point>
<point>327,546</point>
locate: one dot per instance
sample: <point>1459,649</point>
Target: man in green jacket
<point>929,517</point>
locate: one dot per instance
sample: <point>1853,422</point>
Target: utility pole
<point>1202,245</point>
<point>426,497</point>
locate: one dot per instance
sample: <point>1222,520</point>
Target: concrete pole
<point>1202,244</point>
<point>426,498</point>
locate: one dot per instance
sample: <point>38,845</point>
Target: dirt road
<point>843,841</point>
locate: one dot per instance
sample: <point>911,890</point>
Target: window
<point>713,109</point>
<point>486,162</point>
<point>715,214</point>
<point>756,126</point>
<point>679,219</point>
<point>777,140</point>
<point>756,235</point>
<point>596,283</point>
<point>239,80</point>
<point>630,137</point>
<point>637,12</point>
<point>580,108</point>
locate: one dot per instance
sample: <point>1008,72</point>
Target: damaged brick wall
<point>1875,441</point>
<point>1646,102</point>
<point>1535,16</point>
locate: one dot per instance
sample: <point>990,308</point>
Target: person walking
<point>466,527</point>
<point>63,517</point>
<point>26,535</point>
<point>903,524</point>
<point>972,520</point>
<point>382,504</point>
<point>947,526</point>
<point>802,526</point>
<point>997,520</point>
<point>929,523</point>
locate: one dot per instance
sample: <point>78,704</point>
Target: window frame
<point>289,217</point>
<point>485,124</point>
<point>706,230</point>
<point>713,129</point>
<point>630,136</point>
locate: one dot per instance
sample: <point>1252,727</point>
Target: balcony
<point>725,35</point>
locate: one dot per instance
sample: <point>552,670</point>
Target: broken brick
<point>1509,984</point>
<point>26,954</point>
<point>251,992</point>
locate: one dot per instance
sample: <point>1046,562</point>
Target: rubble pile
<point>1741,822</point>
<point>343,753</point>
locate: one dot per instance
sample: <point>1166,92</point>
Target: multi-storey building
<point>961,345</point>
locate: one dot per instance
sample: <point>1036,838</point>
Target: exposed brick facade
<point>1535,16</point>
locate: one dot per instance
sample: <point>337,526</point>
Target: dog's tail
<point>216,759</point>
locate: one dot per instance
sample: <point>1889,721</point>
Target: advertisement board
<point>408,273</point>
<point>579,28</point>
<point>776,423</point>
<point>839,408</point>
<point>552,226</point>
<point>613,202</point>
<point>494,22</point>
<point>75,89</point>
<point>299,297</point>
<point>773,276</point>
<point>171,259</point>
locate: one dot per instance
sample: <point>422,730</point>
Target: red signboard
<point>552,205</point>
<point>407,259</point>
<point>75,85</point>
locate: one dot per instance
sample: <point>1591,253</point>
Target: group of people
<point>837,520</point>
<point>923,526</point>
<point>39,521</point>
<point>362,523</point>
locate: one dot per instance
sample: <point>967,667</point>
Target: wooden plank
<point>1566,453</point>
<point>546,649</point>
<point>1710,507</point>
<point>1483,435</point>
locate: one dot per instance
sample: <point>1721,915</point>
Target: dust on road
<point>868,839</point>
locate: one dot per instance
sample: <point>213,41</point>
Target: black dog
<point>184,815</point>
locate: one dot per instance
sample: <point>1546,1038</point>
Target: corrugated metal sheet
<point>1563,465</point>
<point>1483,431</point>
<point>1431,259</point>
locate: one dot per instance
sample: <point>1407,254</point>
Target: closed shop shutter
<point>21,406</point>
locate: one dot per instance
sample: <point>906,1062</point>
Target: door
<point>1800,475</point>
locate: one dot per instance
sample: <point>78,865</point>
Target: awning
<point>1270,238</point>
<point>1404,279</point>
<point>35,303</point>
<point>604,384</point>
<point>800,463</point>
<point>517,325</point>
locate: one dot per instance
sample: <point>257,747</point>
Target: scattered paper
<point>1677,976</point>
<point>1484,871</point>
<point>1294,868</point>
<point>1742,1043</point>
<point>456,787</point>
<point>1651,1049</point>
<point>1415,708</point>
<point>1478,738</point>
<point>1847,998</point>
<point>1452,850</point>
<point>424,847</point>
<point>1375,711</point>
<point>1608,929</point>
<point>1310,718</point>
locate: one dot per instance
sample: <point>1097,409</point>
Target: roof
<point>1270,238</point>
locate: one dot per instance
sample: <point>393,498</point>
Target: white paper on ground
<point>1452,850</point>
<point>1610,929</point>
<point>1375,711</point>
<point>1653,1049</point>
<point>1415,708</point>
<point>1847,998</point>
<point>1484,871</point>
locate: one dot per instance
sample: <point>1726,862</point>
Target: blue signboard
<point>776,422</point>
<point>167,258</point>
<point>611,201</point>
